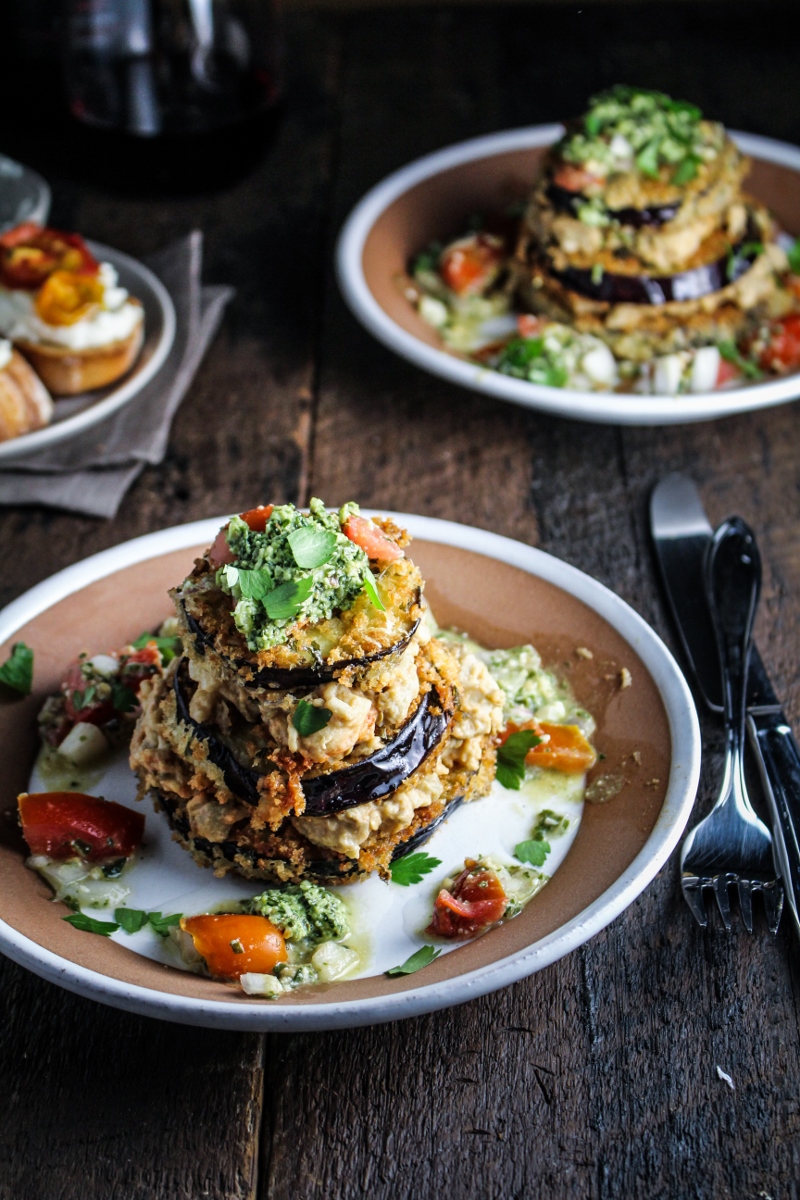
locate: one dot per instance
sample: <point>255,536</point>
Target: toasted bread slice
<point>68,372</point>
<point>25,402</point>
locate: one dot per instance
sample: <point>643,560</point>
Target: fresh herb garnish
<point>412,868</point>
<point>793,255</point>
<point>79,920</point>
<point>647,158</point>
<point>168,647</point>
<point>237,947</point>
<point>131,919</point>
<point>254,585</point>
<point>285,601</point>
<point>597,274</point>
<point>731,353</point>
<point>428,260</point>
<point>511,758</point>
<point>312,547</point>
<point>161,925</point>
<point>308,718</point>
<point>686,170</point>
<point>372,591</point>
<point>419,959</point>
<point>534,851</point>
<point>123,698</point>
<point>17,671</point>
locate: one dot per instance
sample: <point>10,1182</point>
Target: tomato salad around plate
<point>304,727</point>
<point>638,264</point>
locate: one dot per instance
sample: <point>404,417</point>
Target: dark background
<point>597,1077</point>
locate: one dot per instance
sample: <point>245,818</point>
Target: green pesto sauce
<point>267,561</point>
<point>304,912</point>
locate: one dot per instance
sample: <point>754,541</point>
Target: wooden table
<point>597,1077</point>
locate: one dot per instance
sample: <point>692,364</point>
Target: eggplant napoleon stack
<point>638,230</point>
<point>313,728</point>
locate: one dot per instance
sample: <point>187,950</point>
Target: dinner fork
<point>732,845</point>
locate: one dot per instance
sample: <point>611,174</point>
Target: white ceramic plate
<point>455,557</point>
<point>407,196</point>
<point>74,414</point>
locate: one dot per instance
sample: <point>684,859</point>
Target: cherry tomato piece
<point>469,265</point>
<point>140,665</point>
<point>234,944</point>
<point>366,534</point>
<point>30,253</point>
<point>726,373</point>
<point>67,296</point>
<point>69,824</point>
<point>529,326</point>
<point>257,518</point>
<point>782,353</point>
<point>81,702</point>
<point>220,552</point>
<point>476,900</point>
<point>573,179</point>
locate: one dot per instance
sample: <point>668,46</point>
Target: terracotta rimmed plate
<point>434,198</point>
<point>74,414</point>
<point>504,593</point>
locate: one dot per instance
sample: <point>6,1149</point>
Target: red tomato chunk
<point>366,534</point>
<point>476,901</point>
<point>71,824</point>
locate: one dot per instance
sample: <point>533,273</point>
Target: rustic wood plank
<point>596,1078</point>
<point>99,1105</point>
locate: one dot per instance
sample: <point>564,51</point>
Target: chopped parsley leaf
<point>131,919</point>
<point>312,547</point>
<point>161,925</point>
<point>412,868</point>
<point>17,671</point>
<point>419,959</point>
<point>731,353</point>
<point>534,851</point>
<point>168,647</point>
<point>793,255</point>
<point>79,920</point>
<point>308,718</point>
<point>511,758</point>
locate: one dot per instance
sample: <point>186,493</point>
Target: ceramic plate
<point>436,195</point>
<point>504,593</point>
<point>74,414</point>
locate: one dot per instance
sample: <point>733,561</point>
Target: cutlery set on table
<point>713,580</point>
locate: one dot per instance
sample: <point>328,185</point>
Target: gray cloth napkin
<point>92,472</point>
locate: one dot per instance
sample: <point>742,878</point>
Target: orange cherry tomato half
<point>477,899</point>
<point>257,518</point>
<point>563,747</point>
<point>470,264</point>
<point>69,824</point>
<point>66,296</point>
<point>29,253</point>
<point>377,546</point>
<point>234,944</point>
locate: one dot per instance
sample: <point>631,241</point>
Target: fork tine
<point>773,902</point>
<point>745,887</point>
<point>723,901</point>
<point>693,895</point>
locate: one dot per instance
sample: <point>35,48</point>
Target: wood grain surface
<point>597,1077</point>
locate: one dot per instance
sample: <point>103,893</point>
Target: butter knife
<point>681,534</point>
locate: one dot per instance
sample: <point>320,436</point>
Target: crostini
<point>25,403</point>
<point>64,311</point>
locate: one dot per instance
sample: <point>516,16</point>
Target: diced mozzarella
<point>705,369</point>
<point>104,664</point>
<point>667,375</point>
<point>83,744</point>
<point>332,960</point>
<point>620,148</point>
<point>599,364</point>
<point>433,311</point>
<point>260,985</point>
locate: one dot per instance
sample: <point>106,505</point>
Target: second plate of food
<point>70,414</point>
<point>408,808</point>
<point>627,268</point>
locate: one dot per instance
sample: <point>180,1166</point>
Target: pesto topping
<point>300,568</point>
<point>629,129</point>
<point>304,912</point>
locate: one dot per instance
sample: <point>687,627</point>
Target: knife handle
<point>778,757</point>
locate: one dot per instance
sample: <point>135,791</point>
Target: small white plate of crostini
<point>505,594</point>
<point>75,414</point>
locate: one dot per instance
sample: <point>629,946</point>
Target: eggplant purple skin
<point>659,289</point>
<point>637,218</point>
<point>324,868</point>
<point>370,778</point>
<point>284,678</point>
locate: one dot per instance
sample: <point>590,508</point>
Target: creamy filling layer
<point>115,321</point>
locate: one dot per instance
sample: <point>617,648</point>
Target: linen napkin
<point>91,472</point>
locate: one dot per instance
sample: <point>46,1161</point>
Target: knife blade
<point>681,533</point>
